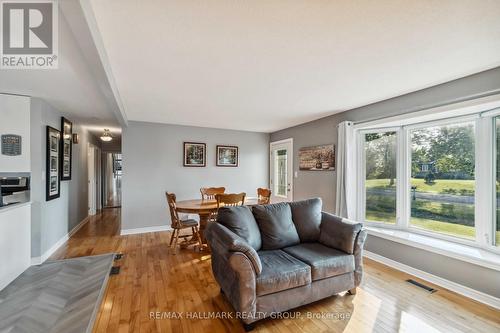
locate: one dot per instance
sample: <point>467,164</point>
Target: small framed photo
<point>227,156</point>
<point>53,184</point>
<point>66,148</point>
<point>195,154</point>
<point>53,177</point>
<point>54,144</point>
<point>66,166</point>
<point>53,164</point>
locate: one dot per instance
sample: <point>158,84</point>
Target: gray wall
<point>51,220</point>
<point>323,184</point>
<point>152,164</point>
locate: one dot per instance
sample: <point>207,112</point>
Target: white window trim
<point>482,111</point>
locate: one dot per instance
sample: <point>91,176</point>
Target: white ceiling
<point>267,65</point>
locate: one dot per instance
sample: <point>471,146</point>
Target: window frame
<point>361,209</point>
<point>484,118</point>
<point>440,122</point>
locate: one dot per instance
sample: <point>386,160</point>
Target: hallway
<point>178,286</point>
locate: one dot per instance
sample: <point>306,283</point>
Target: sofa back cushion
<point>306,216</point>
<point>240,220</point>
<point>276,225</point>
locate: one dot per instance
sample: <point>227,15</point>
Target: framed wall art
<point>227,156</point>
<point>195,154</point>
<point>66,148</point>
<point>317,158</point>
<point>53,180</point>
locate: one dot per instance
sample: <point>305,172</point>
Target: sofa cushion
<point>240,220</point>
<point>324,261</point>
<point>281,271</point>
<point>306,215</point>
<point>276,226</point>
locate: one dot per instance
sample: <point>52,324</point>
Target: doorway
<point>281,170</point>
<point>94,184</point>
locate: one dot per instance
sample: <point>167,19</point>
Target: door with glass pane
<point>281,170</point>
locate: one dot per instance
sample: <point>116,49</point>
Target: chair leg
<point>352,291</point>
<point>175,241</point>
<point>198,236</point>
<point>172,237</point>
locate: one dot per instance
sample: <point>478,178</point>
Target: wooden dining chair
<point>178,225</point>
<point>233,199</point>
<point>208,193</point>
<point>264,195</point>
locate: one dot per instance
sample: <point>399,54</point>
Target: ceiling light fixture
<point>106,136</point>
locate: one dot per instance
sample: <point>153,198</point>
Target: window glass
<point>443,180</point>
<point>380,182</point>
<point>281,172</point>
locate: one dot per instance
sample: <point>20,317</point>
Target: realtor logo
<point>29,35</point>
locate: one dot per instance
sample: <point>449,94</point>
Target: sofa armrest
<point>235,266</point>
<point>339,233</point>
<point>216,233</point>
<point>358,256</point>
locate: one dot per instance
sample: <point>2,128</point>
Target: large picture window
<point>442,179</point>
<point>432,174</point>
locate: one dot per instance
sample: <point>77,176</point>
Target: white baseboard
<point>450,285</point>
<point>78,226</point>
<point>145,230</point>
<point>46,255</point>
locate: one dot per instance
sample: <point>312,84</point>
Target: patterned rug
<point>57,296</point>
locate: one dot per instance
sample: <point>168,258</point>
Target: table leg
<point>203,225</point>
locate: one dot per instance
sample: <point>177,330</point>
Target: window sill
<point>450,249</point>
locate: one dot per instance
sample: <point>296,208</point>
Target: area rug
<point>57,296</point>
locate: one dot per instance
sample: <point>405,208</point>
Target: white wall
<point>52,220</point>
<point>15,119</point>
<point>15,221</point>
<point>152,164</point>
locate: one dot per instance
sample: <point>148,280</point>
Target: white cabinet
<point>15,242</point>
<point>15,119</point>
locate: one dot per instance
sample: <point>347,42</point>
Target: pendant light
<point>106,136</point>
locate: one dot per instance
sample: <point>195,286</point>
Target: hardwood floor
<point>152,279</point>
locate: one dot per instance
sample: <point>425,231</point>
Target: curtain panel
<point>345,205</point>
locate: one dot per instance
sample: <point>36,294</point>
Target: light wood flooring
<point>153,279</point>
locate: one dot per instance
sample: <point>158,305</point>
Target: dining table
<point>204,208</point>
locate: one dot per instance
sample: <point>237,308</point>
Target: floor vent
<point>115,270</point>
<point>420,285</point>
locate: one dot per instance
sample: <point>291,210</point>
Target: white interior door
<point>281,170</point>
<point>91,166</point>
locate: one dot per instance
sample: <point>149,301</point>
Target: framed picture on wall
<point>227,156</point>
<point>195,154</point>
<point>66,148</point>
<point>317,158</point>
<point>53,180</point>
